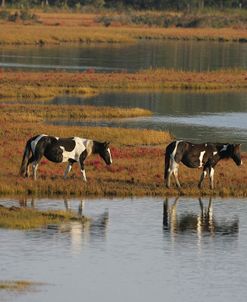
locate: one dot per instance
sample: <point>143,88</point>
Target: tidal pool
<point>193,116</point>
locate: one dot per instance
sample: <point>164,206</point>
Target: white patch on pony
<point>215,152</point>
<point>201,158</point>
<point>224,148</point>
<point>175,150</point>
<point>88,144</point>
<point>76,152</point>
<point>35,142</point>
<point>68,154</point>
<point>109,151</point>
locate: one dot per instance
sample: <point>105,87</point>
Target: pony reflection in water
<point>58,150</point>
<point>203,221</point>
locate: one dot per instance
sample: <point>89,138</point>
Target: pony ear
<point>106,144</point>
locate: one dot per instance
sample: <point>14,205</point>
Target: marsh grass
<point>137,169</point>
<point>60,27</point>
<point>17,128</point>
<point>27,218</point>
<point>28,84</point>
<point>38,112</point>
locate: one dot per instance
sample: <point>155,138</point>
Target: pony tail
<point>25,158</point>
<point>167,164</point>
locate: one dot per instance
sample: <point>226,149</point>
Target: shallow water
<point>181,55</point>
<point>216,117</point>
<point>134,250</point>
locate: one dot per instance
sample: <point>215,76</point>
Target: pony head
<point>235,154</point>
<point>105,152</point>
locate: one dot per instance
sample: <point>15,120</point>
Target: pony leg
<point>83,156</point>
<point>35,167</point>
<point>68,169</point>
<point>211,177</point>
<point>27,171</point>
<point>83,172</point>
<point>168,180</point>
<point>175,173</point>
<point>173,166</point>
<point>174,170</point>
<point>203,175</point>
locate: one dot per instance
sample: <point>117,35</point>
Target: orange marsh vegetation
<point>40,112</point>
<point>137,169</point>
<point>59,32</point>
<point>47,84</point>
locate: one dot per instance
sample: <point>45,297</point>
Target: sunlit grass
<point>138,160</point>
<point>26,218</point>
<point>37,112</point>
<point>137,169</point>
<point>28,84</point>
<point>91,32</point>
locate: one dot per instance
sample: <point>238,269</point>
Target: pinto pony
<point>58,150</point>
<point>204,156</point>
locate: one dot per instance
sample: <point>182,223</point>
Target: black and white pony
<point>58,150</point>
<point>204,156</point>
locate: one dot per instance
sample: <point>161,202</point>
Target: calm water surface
<point>193,116</point>
<point>133,250</point>
<point>185,55</point>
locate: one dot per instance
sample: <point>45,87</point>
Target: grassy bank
<point>26,218</point>
<point>35,113</point>
<point>123,27</point>
<point>137,169</point>
<point>47,84</point>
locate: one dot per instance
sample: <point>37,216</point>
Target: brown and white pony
<point>205,156</point>
<point>58,150</point>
